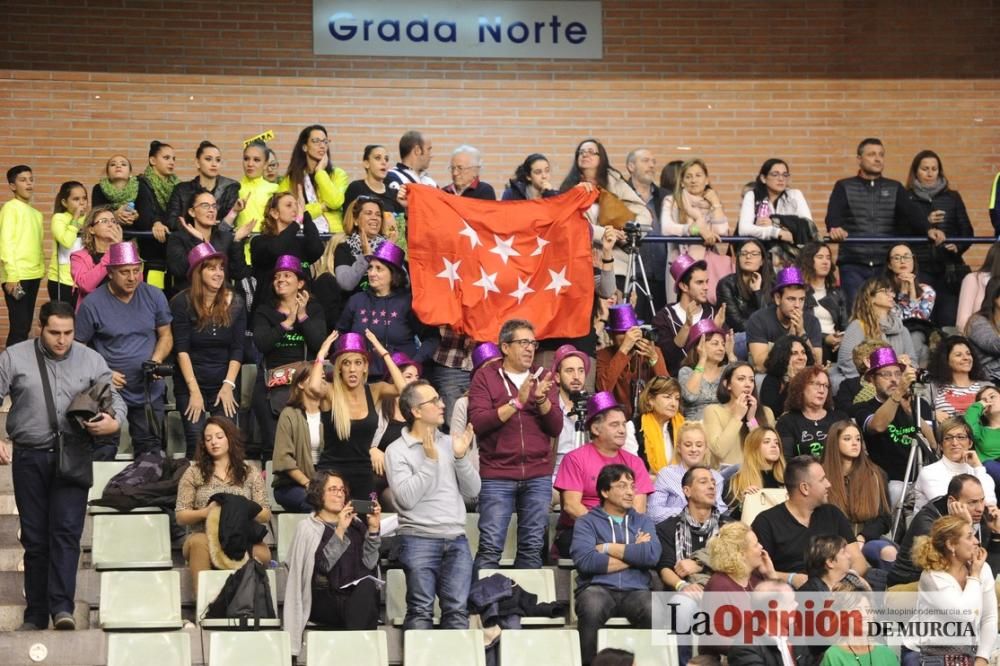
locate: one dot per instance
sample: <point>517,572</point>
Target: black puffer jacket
<point>933,259</point>
<point>738,309</point>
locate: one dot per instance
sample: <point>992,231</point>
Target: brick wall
<point>737,82</point>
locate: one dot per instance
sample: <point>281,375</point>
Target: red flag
<point>475,264</point>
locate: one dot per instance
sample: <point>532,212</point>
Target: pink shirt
<point>579,470</point>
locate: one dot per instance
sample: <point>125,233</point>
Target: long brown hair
<point>270,226</point>
<point>863,310</point>
<point>862,495</point>
<point>751,471</point>
<point>219,312</point>
<point>237,456</point>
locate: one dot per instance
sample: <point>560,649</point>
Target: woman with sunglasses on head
<point>118,189</point>
<point>156,185</point>
<point>313,180</point>
<point>824,298</point>
<point>72,204</point>
<point>208,161</point>
<point>200,224</point>
<point>299,440</point>
<point>363,226</point>
<point>874,316</point>
<point>89,265</point>
<point>375,160</point>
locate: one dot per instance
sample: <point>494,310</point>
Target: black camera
<point>579,409</point>
<point>649,333</point>
<point>151,369</point>
<point>632,227</point>
<point>922,375</point>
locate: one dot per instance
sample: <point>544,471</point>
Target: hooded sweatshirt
<point>598,527</point>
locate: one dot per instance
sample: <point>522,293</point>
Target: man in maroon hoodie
<point>513,410</point>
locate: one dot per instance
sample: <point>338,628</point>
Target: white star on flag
<point>538,250</point>
<point>505,248</point>
<point>559,281</point>
<point>471,233</point>
<point>450,272</point>
<point>488,281</point>
<point>522,290</point>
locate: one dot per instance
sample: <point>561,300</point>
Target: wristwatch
<point>516,404</point>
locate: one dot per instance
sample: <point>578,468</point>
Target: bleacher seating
<point>287,522</point>
<point>210,583</point>
<point>553,647</point>
<point>103,472</point>
<point>140,600</point>
<point>540,582</point>
<point>395,598</point>
<point>139,541</point>
<point>249,647</point>
<point>426,647</point>
<point>366,648</point>
<point>145,649</point>
<point>509,546</point>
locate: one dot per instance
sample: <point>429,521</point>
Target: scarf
<point>120,197</point>
<point>354,241</point>
<point>688,527</point>
<point>162,187</point>
<point>654,443</point>
<point>928,193</point>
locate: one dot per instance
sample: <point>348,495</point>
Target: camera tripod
<point>918,446</point>
<point>636,271</point>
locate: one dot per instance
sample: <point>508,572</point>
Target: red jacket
<point>522,447</point>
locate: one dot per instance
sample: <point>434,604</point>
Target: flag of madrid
<point>475,264</point>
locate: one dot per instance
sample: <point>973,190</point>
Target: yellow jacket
<point>257,193</point>
<point>66,237</point>
<point>656,455</point>
<point>21,251</point>
<point>330,190</point>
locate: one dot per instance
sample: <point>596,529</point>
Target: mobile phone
<point>363,507</point>
<point>95,418</point>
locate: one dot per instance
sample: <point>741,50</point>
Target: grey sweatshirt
<point>28,421</point>
<point>428,493</point>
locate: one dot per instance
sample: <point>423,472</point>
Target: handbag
<point>612,211</point>
<point>762,500</point>
<point>75,462</point>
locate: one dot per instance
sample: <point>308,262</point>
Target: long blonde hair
<point>340,409</point>
<point>326,263</point>
<point>751,471</point>
<point>726,550</point>
<point>932,551</point>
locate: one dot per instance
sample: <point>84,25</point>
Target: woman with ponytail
<point>156,185</point>
<point>532,180</point>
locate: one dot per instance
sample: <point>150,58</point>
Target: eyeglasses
<point>525,342</point>
<point>336,490</point>
<point>889,374</point>
<point>462,169</point>
<point>901,257</point>
<point>779,174</point>
<point>319,142</point>
<point>820,385</point>
<point>436,400</point>
<point>587,152</point>
<point>623,485</point>
<point>207,206</point>
<point>750,254</point>
<point>955,438</point>
<point>105,220</point>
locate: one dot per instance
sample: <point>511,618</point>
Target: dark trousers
<point>596,604</point>
<point>353,609</point>
<point>143,437</point>
<point>852,276</point>
<point>293,498</point>
<point>267,421</point>
<point>21,311</point>
<point>61,292</point>
<point>51,515</point>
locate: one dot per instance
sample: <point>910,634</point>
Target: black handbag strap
<point>47,390</point>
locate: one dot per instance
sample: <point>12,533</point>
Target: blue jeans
<point>451,384</point>
<point>441,567</point>
<point>51,516</point>
<point>143,439</point>
<point>193,431</point>
<point>498,500</point>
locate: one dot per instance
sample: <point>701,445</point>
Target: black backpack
<point>246,598</point>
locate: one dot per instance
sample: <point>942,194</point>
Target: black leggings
<point>354,609</point>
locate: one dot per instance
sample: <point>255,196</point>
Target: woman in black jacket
<point>941,262</point>
<point>532,180</point>
<point>208,160</point>
<point>824,298</point>
<point>748,288</point>
<point>156,185</point>
<point>287,230</point>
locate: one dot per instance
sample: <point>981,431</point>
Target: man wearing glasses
<point>430,474</point>
<point>513,408</point>
<point>888,420</point>
<point>466,162</point>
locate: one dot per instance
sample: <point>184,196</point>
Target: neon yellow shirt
<point>66,240</point>
<point>21,233</point>
<point>330,191</point>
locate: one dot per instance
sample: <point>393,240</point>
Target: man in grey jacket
<point>51,511</point>
<point>430,474</point>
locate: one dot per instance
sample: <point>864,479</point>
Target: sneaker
<point>64,621</point>
<point>28,626</point>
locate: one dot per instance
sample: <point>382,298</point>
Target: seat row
<point>553,647</point>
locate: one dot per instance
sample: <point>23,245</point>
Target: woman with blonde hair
<point>956,586</point>
<point>655,429</point>
<point>763,467</point>
<point>737,560</point>
<point>352,428</point>
<point>667,498</point>
<point>859,488</point>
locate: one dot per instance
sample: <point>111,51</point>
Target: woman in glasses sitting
<point>201,224</point>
